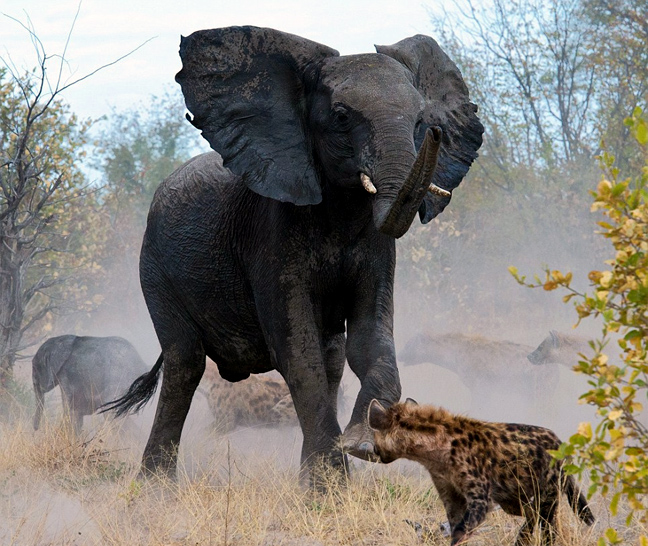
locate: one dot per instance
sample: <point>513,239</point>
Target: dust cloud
<point>467,290</point>
<point>473,293</point>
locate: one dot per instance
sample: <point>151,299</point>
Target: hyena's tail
<point>577,500</point>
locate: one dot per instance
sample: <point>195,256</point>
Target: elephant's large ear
<point>448,105</point>
<point>245,88</point>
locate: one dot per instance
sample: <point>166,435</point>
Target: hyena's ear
<point>377,416</point>
<point>411,402</point>
<point>554,338</point>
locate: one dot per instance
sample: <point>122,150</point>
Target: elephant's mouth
<point>394,216</point>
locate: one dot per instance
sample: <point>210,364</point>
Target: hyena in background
<point>559,349</point>
<point>476,463</point>
<point>494,371</point>
<point>257,400</point>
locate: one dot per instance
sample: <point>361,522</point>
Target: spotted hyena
<point>257,400</point>
<point>474,464</point>
<point>493,370</point>
<point>558,348</point>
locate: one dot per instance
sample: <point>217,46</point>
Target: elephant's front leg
<point>317,417</point>
<point>371,355</point>
<point>308,383</point>
<point>334,360</point>
<point>309,365</point>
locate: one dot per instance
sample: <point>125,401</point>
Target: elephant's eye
<point>340,115</point>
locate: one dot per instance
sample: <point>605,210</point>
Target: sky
<point>105,30</point>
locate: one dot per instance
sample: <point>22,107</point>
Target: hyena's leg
<point>453,502</point>
<point>541,513</point>
<point>547,512</point>
<point>477,501</point>
<point>525,533</point>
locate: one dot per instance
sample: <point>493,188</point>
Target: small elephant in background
<point>90,371</point>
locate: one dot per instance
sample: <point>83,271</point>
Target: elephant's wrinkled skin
<point>91,371</point>
<point>276,256</point>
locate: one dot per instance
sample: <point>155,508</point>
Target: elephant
<point>91,371</point>
<point>277,249</point>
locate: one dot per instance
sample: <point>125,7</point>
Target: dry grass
<point>58,490</point>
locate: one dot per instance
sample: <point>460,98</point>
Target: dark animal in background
<point>90,371</point>
<point>497,373</point>
<point>559,348</point>
<point>476,463</point>
<point>279,253</point>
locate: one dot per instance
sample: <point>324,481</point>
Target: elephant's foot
<point>159,465</point>
<point>325,473</point>
<point>357,440</point>
<point>158,474</point>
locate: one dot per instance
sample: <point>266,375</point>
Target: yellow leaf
<point>604,186</point>
<point>602,294</point>
<point>585,429</point>
<point>595,276</point>
<point>606,279</point>
<point>615,414</point>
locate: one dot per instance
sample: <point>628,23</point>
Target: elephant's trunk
<point>40,404</point>
<point>397,202</point>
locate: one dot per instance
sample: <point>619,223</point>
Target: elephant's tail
<point>138,394</point>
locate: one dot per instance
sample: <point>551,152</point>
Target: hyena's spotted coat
<point>476,463</point>
<point>257,400</point>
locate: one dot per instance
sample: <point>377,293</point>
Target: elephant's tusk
<point>367,184</point>
<point>436,190</point>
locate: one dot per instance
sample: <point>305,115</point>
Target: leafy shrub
<point>615,450</point>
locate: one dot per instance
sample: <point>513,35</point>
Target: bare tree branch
<point>38,189</point>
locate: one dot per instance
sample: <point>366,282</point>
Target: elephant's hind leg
<point>184,364</point>
<point>72,412</point>
<point>77,422</point>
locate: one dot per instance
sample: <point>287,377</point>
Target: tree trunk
<point>11,310</point>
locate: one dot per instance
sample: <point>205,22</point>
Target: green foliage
<point>549,78</point>
<point>48,226</point>
<point>140,147</point>
<point>135,151</point>
<point>526,62</point>
<point>615,451</point>
<point>618,50</point>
